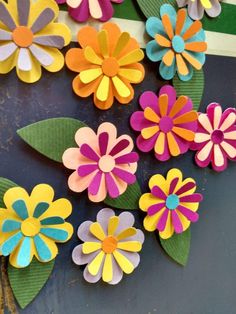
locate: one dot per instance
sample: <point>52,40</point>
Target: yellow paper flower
<point>30,38</point>
<point>31,224</point>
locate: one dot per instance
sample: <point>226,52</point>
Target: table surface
<point>207,284</point>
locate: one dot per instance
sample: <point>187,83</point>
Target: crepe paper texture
<point>107,63</point>
<point>26,283</point>
<point>110,248</point>
<point>82,10</point>
<point>172,204</point>
<point>178,42</point>
<point>215,139</point>
<point>193,88</point>
<point>30,225</point>
<point>178,246</point>
<point>167,124</point>
<point>30,38</point>
<point>51,137</point>
<point>196,8</point>
<point>103,163</point>
<point>152,7</point>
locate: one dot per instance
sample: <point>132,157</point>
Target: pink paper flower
<point>215,139</point>
<point>81,10</point>
<point>196,8</point>
<point>166,124</point>
<point>103,163</point>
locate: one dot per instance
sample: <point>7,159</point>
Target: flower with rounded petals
<point>30,225</point>
<point>30,38</point>
<point>178,42</point>
<point>196,8</point>
<point>103,163</point>
<point>215,138</point>
<point>167,124</point>
<point>172,204</point>
<point>107,64</point>
<point>110,247</point>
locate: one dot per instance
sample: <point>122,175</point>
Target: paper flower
<point>172,204</point>
<point>196,8</point>
<point>31,224</point>
<point>110,247</point>
<point>215,139</point>
<point>103,163</point>
<point>29,38</point>
<point>81,10</point>
<point>166,124</point>
<point>179,43</point>
<point>107,65</point>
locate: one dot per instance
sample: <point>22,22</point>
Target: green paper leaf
<point>51,137</point>
<point>5,184</point>
<point>193,88</point>
<point>27,282</point>
<point>128,200</point>
<point>152,7</point>
<point>178,246</point>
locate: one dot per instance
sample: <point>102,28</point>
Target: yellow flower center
<point>106,163</point>
<point>22,36</point>
<point>30,227</point>
<point>110,67</point>
<point>109,245</point>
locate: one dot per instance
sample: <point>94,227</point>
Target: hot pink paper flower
<point>166,124</point>
<point>215,139</point>
<point>81,10</point>
<point>103,163</point>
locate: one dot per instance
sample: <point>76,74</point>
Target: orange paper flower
<point>107,64</point>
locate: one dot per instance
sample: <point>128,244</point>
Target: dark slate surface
<point>207,284</point>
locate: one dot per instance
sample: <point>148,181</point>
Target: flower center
<point>178,44</point>
<point>30,227</point>
<point>217,136</point>
<point>22,36</point>
<point>172,201</point>
<point>110,67</point>
<point>109,245</point>
<point>106,163</point>
<point>166,124</point>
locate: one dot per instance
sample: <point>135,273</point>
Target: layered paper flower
<point>178,42</point>
<point>172,204</point>
<point>166,124</point>
<point>30,38</point>
<point>215,139</point>
<point>81,10</point>
<point>196,8</point>
<point>30,225</point>
<point>110,247</point>
<point>103,163</point>
<point>107,64</point>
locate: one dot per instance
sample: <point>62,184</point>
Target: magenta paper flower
<point>167,124</point>
<point>103,163</point>
<point>196,8</point>
<point>215,139</point>
<point>81,10</point>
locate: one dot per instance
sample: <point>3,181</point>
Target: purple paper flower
<point>196,8</point>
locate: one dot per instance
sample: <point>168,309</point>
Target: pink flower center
<point>166,124</point>
<point>106,163</point>
<point>217,136</point>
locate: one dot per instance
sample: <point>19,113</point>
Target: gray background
<point>207,284</point>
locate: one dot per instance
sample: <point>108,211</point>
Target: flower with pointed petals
<point>110,247</point>
<point>178,42</point>
<point>103,163</point>
<point>30,38</point>
<point>172,204</point>
<point>215,138</point>
<point>107,64</point>
<point>167,124</point>
<point>196,8</point>
<point>32,224</point>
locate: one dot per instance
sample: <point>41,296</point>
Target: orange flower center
<point>109,245</point>
<point>22,36</point>
<point>30,227</point>
<point>106,163</point>
<point>110,67</point>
